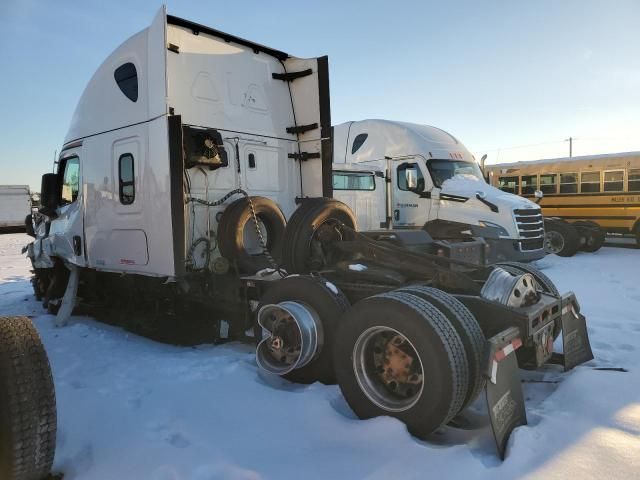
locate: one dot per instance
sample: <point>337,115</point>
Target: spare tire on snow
<point>237,237</point>
<point>28,420</point>
<point>315,223</point>
<point>329,303</point>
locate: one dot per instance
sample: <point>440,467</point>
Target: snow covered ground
<point>130,408</point>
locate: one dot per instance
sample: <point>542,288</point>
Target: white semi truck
<point>194,159</point>
<point>408,176</point>
<point>15,205</point>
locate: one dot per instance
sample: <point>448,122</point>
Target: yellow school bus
<point>604,189</point>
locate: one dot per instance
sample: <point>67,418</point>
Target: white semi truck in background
<point>15,205</point>
<point>407,176</point>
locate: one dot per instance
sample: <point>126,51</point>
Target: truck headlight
<point>501,230</point>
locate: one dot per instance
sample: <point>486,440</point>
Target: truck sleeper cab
<point>193,156</point>
<point>434,183</point>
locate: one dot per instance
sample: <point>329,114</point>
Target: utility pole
<point>570,140</point>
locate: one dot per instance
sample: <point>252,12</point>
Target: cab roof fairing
<point>387,138</point>
<point>103,106</point>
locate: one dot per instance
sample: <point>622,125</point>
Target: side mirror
<point>538,195</point>
<point>49,193</point>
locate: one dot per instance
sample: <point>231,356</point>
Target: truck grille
<point>530,228</point>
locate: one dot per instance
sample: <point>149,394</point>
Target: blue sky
<point>497,74</point>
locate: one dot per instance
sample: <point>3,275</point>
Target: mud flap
<point>504,390</point>
<point>575,338</point>
<point>69,298</point>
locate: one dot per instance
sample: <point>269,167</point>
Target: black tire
<point>231,232</point>
<point>432,337</point>
<point>302,227</point>
<point>561,238</point>
<point>28,420</point>
<point>467,328</point>
<point>594,236</point>
<point>330,304</point>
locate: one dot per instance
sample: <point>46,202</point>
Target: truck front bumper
<point>510,250</point>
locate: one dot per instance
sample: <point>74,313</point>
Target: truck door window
<point>353,181</point>
<point>590,182</point>
<point>126,176</point>
<point>70,180</point>
<point>549,183</point>
<point>509,184</point>
<point>568,183</point>
<point>409,177</point>
<point>634,179</point>
<point>529,184</point>
<point>614,181</point>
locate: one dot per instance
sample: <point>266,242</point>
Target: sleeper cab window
<point>548,183</point>
<point>529,184</point>
<point>251,160</point>
<point>634,179</point>
<point>508,184</point>
<point>358,141</point>
<point>568,183</point>
<point>126,77</point>
<point>70,180</point>
<point>590,182</point>
<point>126,176</point>
<point>354,181</point>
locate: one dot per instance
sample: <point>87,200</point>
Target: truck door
<point>66,236</point>
<point>411,202</point>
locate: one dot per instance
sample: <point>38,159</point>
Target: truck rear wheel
<point>594,237</point>
<point>329,303</point>
<point>467,328</point>
<point>398,355</point>
<point>316,222</point>
<point>28,415</point>
<point>237,237</point>
<point>561,238</point>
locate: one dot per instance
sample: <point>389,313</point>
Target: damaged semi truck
<point>194,187</point>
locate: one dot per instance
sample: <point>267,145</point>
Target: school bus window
<point>614,181</point>
<point>508,184</point>
<point>529,184</point>
<point>549,183</point>
<point>634,179</point>
<point>590,182</point>
<point>568,183</point>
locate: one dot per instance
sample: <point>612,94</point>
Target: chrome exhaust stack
<point>291,336</point>
<point>512,291</point>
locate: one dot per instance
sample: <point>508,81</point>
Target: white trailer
<point>195,158</point>
<point>408,176</point>
<point>15,205</point>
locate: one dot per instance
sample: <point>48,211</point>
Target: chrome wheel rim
<point>553,242</point>
<point>388,369</point>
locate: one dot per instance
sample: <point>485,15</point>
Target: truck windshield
<point>442,170</point>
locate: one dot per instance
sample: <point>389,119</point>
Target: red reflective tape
<point>504,352</point>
